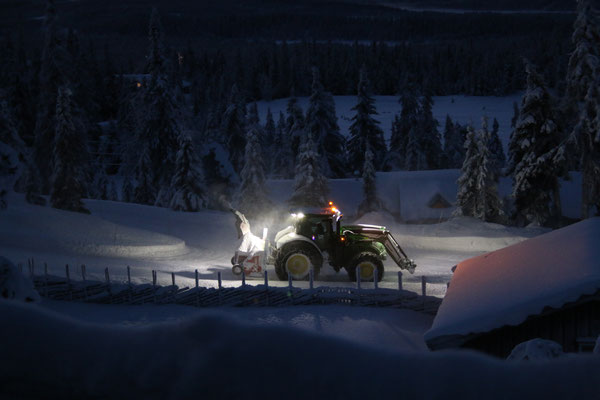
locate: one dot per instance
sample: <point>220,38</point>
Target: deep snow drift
<point>215,356</point>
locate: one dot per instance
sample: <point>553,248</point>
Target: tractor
<point>317,236</point>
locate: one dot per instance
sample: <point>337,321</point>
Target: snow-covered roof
<point>506,286</point>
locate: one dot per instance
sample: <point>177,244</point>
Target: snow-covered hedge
<point>13,285</point>
<point>47,355</point>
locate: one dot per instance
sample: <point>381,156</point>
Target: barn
<point>545,287</point>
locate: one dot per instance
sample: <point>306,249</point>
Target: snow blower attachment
<point>317,234</point>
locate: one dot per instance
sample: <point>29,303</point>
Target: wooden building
<point>547,287</point>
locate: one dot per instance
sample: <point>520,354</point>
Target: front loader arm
<point>392,247</point>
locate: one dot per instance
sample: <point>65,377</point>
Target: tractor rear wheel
<point>368,263</point>
<point>296,259</point>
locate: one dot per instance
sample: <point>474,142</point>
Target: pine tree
<point>218,182</point>
<point>535,161</point>
<point>365,130</point>
<point>127,191</point>
<point>188,182</point>
<point>159,128</point>
<point>429,136</point>
<point>294,126</point>
<point>454,144</point>
<point>496,150</point>
<point>11,152</point>
<point>371,201</point>
<point>310,186</point>
<point>69,159</point>
<point>253,198</point>
<point>587,135</point>
<point>282,158</point>
<point>585,60</point>
<point>50,78</point>
<point>466,198</point>
<point>321,123</point>
<point>233,126</point>
<point>268,144</point>
<point>488,206</point>
<point>401,130</point>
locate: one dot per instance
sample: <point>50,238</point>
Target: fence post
<point>83,272</point>
<point>154,286</point>
<point>358,277</point>
<point>267,286</point>
<point>45,278</point>
<point>376,278</point>
<point>107,277</point>
<point>220,287</point>
<point>400,280</point>
<point>173,278</point>
<point>69,282</point>
<point>311,275</point>
<point>129,276</point>
<point>196,274</point>
<point>289,280</point>
<point>243,277</point>
<point>423,288</point>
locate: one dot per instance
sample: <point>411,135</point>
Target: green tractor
<point>318,236</point>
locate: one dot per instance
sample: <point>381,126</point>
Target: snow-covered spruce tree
<point>584,62</point>
<point>233,126</point>
<point>282,158</point>
<point>69,159</point>
<point>364,130</point>
<point>11,151</point>
<point>454,144</point>
<point>268,143</point>
<point>429,136</point>
<point>252,198</point>
<point>54,57</point>
<point>535,156</point>
<point>159,128</point>
<point>310,185</point>
<point>587,135</point>
<point>371,201</point>
<point>496,150</point>
<point>188,181</point>
<point>321,123</point>
<point>488,206</point>
<point>402,126</point>
<point>127,191</point>
<point>466,198</point>
<point>294,130</point>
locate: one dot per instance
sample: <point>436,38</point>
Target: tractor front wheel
<point>368,264</point>
<point>296,259</point>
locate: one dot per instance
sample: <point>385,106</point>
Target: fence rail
<point>109,292</point>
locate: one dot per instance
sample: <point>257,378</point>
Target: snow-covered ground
<point>148,238</point>
<point>46,354</point>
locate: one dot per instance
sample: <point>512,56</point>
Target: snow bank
<point>46,228</point>
<point>45,355</point>
<point>13,285</point>
<point>536,349</point>
<point>506,286</point>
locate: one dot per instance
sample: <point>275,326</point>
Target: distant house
<point>438,201</point>
<point>546,287</point>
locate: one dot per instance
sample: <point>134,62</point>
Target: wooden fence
<point>110,292</point>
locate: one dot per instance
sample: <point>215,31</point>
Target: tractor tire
<point>368,262</point>
<point>297,259</point>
